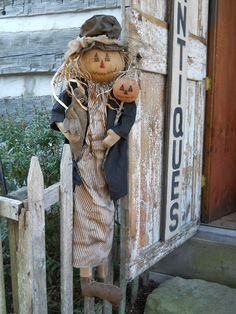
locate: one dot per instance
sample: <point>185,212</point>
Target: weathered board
<point>31,246</point>
<point>148,41</point>
<point>40,51</point>
<point>148,36</point>
<point>157,9</point>
<point>11,104</point>
<point>36,211</point>
<point>145,172</point>
<point>10,208</point>
<point>11,8</point>
<point>199,17</point>
<point>66,233</point>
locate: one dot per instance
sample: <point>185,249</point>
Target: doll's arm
<point>110,139</point>
<point>126,121</point>
<point>123,127</point>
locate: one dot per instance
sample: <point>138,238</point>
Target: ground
<point>143,292</point>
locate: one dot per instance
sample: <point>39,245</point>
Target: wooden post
<point>107,307</point>
<point>89,303</point>
<point>145,278</point>
<point>134,290</point>
<point>123,248</point>
<point>66,227</point>
<point>13,244</point>
<point>2,285</point>
<point>31,257</point>
<point>13,234</point>
<point>89,306</point>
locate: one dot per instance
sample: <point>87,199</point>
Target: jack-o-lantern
<point>126,90</point>
<point>101,65</point>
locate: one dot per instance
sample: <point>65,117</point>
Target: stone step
<point>191,296</point>
<point>210,255</point>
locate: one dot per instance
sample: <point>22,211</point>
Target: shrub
<point>20,140</point>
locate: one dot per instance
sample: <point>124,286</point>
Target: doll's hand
<point>110,139</point>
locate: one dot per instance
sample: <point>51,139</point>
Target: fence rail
<point>26,221</point>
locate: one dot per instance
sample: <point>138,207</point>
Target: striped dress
<point>93,207</point>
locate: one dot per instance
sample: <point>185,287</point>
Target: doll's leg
<point>103,291</point>
<point>86,272</point>
<point>103,270</point>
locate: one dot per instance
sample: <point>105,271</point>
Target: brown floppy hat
<point>102,25</point>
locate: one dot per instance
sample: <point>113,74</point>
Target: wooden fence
<point>26,221</point>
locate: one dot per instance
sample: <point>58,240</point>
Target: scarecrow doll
<point>95,112</point>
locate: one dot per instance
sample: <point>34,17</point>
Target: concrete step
<point>210,255</point>
<point>191,296</point>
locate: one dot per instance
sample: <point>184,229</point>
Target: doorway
<point>219,164</point>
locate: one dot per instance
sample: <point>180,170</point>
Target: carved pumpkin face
<point>126,90</point>
<point>101,66</point>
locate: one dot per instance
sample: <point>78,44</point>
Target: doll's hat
<point>101,25</point>
<point>100,31</point>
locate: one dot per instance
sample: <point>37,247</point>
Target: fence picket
<point>66,225</point>
<point>25,263</point>
<point>13,231</point>
<point>36,207</point>
<point>2,286</point>
<point>31,258</point>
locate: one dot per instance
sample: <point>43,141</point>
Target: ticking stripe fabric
<point>93,208</point>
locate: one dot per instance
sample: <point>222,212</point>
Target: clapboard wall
<point>33,39</point>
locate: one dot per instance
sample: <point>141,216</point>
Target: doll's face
<point>126,90</point>
<point>101,66</point>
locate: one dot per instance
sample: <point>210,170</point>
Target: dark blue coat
<point>116,163</point>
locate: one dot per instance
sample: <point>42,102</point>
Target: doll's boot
<point>100,290</point>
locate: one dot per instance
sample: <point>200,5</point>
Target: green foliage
<point>21,139</point>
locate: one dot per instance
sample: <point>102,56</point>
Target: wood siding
<point>30,52</point>
<point>148,40</point>
<point>14,8</point>
<point>11,104</point>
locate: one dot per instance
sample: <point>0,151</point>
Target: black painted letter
<point>176,164</point>
<point>174,184</point>
<point>181,19</point>
<point>177,129</point>
<point>174,217</point>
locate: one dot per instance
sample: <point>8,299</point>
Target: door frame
<point>211,57</point>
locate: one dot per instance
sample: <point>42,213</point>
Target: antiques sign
<point>177,74</point>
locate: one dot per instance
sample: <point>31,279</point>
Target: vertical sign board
<point>177,75</point>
